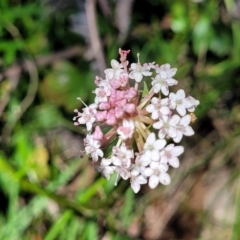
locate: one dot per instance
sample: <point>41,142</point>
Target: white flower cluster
<point>142,126</point>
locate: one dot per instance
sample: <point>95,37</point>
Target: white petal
<point>115,64</point>
<point>157,87</point>
<point>106,162</point>
<point>163,74</point>
<point>159,144</point>
<point>150,108</point>
<point>135,186</point>
<point>164,159</point>
<point>134,66</point>
<point>137,76</point>
<point>188,131</point>
<point>191,109</point>
<point>185,120</point>
<point>178,137</point>
<point>172,132</point>
<point>165,110</point>
<point>178,150</point>
<point>165,90</point>
<point>151,138</point>
<point>89,126</point>
<point>124,174</point>
<point>171,82</point>
<point>155,155</point>
<point>107,172</point>
<point>174,120</point>
<point>164,179</point>
<point>163,167</point>
<point>148,172</point>
<point>141,179</point>
<point>146,73</point>
<point>155,100</point>
<point>180,94</point>
<point>155,115</point>
<point>162,133</point>
<point>181,110</point>
<point>154,165</point>
<point>174,162</point>
<point>169,147</point>
<point>109,73</point>
<point>158,125</point>
<point>153,181</point>
<point>116,161</point>
<point>186,103</point>
<point>172,71</point>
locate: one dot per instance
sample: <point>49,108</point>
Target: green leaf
<point>91,231</point>
<point>202,34</point>
<point>59,226</point>
<point>145,89</point>
<point>64,84</point>
<point>127,210</point>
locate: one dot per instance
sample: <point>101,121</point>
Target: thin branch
<point>16,69</point>
<point>94,37</point>
<point>27,101</point>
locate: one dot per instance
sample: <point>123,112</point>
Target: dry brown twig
<point>94,37</point>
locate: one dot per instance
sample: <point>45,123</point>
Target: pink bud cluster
<point>136,124</point>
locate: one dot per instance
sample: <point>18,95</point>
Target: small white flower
<point>158,107</point>
<point>153,146</point>
<point>102,93</point>
<point>182,128</point>
<point>167,126</point>
<point>166,71</point>
<point>136,181</point>
<point>115,70</point>
<point>106,169</point>
<point>122,167</point>
<point>122,154</point>
<point>138,71</point>
<point>179,102</point>
<point>194,103</point>
<point>152,65</point>
<point>170,155</point>
<point>88,116</point>
<point>126,130</point>
<point>140,164</point>
<point>164,79</point>
<point>92,147</point>
<point>122,160</point>
<point>157,172</point>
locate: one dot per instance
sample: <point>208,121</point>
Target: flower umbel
<point>137,124</point>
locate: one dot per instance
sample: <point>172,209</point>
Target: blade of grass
<point>59,226</point>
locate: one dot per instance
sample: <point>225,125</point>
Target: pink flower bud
<point>120,95</point>
<point>121,103</point>
<point>129,108</point>
<point>119,112</point>
<point>123,79</point>
<point>97,135</point>
<point>130,93</point>
<point>104,106</point>
<point>101,116</point>
<point>110,119</point>
<point>115,83</point>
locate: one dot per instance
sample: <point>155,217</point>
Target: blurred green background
<point>50,52</point>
